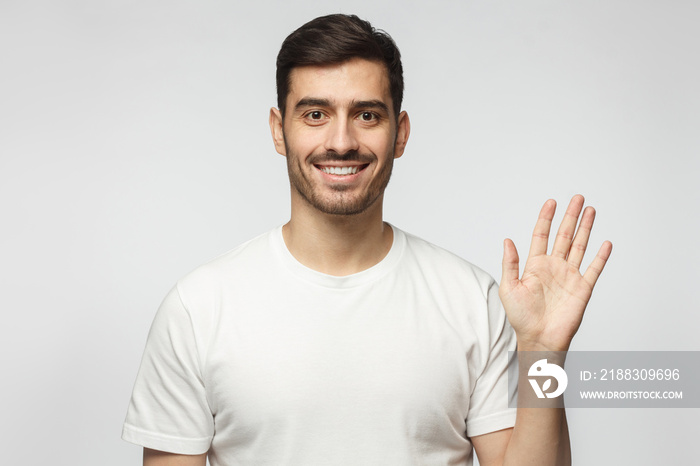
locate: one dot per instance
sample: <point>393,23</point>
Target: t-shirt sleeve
<point>169,409</point>
<point>488,408</point>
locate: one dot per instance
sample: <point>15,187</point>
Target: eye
<point>315,117</point>
<point>368,116</point>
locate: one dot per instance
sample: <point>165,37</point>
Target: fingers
<point>596,268</point>
<point>571,242</point>
<point>510,264</point>
<point>540,234</point>
<point>580,243</point>
<point>565,235</point>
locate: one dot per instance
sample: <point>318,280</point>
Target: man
<point>337,338</point>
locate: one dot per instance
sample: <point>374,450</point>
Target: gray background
<point>134,146</point>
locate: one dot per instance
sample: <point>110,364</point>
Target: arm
<point>162,458</point>
<point>491,448</point>
<point>545,306</point>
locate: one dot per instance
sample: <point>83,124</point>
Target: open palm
<point>545,305</point>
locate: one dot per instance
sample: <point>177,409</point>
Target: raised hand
<point>545,305</point>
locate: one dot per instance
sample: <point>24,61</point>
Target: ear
<point>403,129</point>
<point>277,131</point>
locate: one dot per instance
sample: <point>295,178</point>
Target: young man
<point>337,338</point>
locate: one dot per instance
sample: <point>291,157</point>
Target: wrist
<point>530,344</point>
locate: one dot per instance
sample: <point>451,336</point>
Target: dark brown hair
<point>333,39</point>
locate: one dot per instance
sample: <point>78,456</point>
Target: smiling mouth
<point>345,170</point>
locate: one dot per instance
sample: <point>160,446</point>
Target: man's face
<point>339,135</point>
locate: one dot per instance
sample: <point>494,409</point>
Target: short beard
<point>340,204</point>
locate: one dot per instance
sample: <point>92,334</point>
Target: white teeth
<point>339,170</point>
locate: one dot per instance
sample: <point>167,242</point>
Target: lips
<point>341,170</point>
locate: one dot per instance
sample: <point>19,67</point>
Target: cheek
<point>381,144</point>
<point>306,143</point>
<point>381,137</point>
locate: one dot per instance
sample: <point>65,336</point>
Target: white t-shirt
<point>262,361</point>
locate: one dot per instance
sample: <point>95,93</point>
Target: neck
<point>337,244</point>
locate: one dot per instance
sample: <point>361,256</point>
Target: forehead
<point>352,80</point>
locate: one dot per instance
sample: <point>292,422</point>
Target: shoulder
<point>465,295</point>
<point>247,259</point>
<point>437,262</point>
<point>198,298</point>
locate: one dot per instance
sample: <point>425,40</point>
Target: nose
<point>341,137</point>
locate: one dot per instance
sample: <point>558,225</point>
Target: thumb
<point>510,265</point>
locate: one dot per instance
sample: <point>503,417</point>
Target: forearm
<point>540,436</point>
<point>161,458</point>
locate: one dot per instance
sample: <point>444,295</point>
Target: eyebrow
<point>374,104</point>
<point>355,104</point>
<point>312,102</point>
